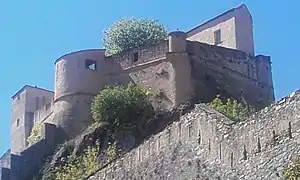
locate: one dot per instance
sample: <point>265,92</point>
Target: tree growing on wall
<point>35,135</point>
<point>130,33</point>
<point>122,107</point>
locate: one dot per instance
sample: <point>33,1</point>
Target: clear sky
<point>34,33</point>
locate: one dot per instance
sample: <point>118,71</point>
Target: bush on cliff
<point>122,107</point>
<point>132,33</point>
<point>231,108</point>
<point>36,134</point>
<point>293,171</point>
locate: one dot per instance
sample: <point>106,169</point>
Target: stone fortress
<point>216,57</point>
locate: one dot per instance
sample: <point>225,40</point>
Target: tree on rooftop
<point>130,33</point>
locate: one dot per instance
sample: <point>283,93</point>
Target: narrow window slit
<point>231,159</point>
<point>199,137</point>
<point>290,130</point>
<point>245,153</point>
<point>258,146</point>
<point>135,57</point>
<point>274,138</point>
<point>220,149</point>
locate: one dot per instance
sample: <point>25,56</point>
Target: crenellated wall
<point>231,145</point>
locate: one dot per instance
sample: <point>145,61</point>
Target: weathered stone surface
<point>206,145</point>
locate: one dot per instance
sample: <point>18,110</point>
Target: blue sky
<point>34,33</point>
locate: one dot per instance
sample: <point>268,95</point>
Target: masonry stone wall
<point>5,165</point>
<point>28,162</point>
<point>142,55</point>
<point>236,30</point>
<point>18,142</point>
<point>241,147</point>
<point>43,113</point>
<point>25,103</point>
<point>227,28</point>
<point>232,73</point>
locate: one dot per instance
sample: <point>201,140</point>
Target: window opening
<point>90,64</point>
<point>217,35</point>
<point>18,122</point>
<point>135,57</point>
<point>37,99</point>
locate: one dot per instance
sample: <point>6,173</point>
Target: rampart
<point>230,144</point>
<point>141,55</point>
<point>28,163</point>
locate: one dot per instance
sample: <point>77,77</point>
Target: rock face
<point>204,144</point>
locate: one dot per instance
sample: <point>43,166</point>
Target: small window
<point>18,97</point>
<point>18,122</point>
<point>217,35</point>
<point>37,99</point>
<point>47,106</point>
<point>207,77</point>
<point>90,64</point>
<point>135,57</point>
<point>44,100</point>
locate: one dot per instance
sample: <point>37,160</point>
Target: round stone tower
<point>177,41</point>
<point>79,76</point>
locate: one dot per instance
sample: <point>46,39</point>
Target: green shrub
<point>35,135</point>
<point>131,33</point>
<point>293,171</point>
<point>231,108</point>
<point>78,168</point>
<point>112,151</point>
<point>122,107</point>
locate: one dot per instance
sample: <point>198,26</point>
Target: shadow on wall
<point>28,163</point>
<point>4,173</point>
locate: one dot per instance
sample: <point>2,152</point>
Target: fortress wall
<point>73,113</point>
<point>225,24</point>
<point>230,144</point>
<point>72,74</point>
<point>30,160</point>
<point>143,54</point>
<point>43,112</point>
<point>5,160</point>
<point>215,76</point>
<point>233,59</point>
<point>159,77</point>
<point>211,79</point>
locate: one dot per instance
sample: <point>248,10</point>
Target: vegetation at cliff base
<point>293,171</point>
<point>78,168</point>
<point>131,33</point>
<point>36,134</point>
<point>122,107</point>
<point>231,108</point>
